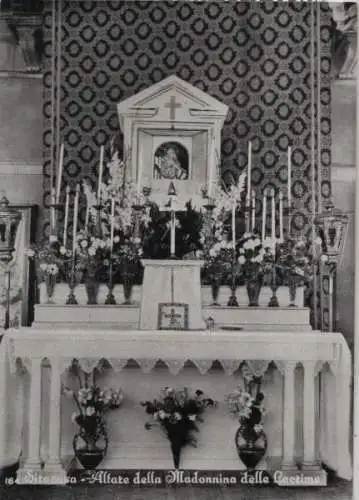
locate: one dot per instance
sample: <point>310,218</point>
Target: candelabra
<point>9,221</point>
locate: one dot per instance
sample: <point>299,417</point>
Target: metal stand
<point>71,299</point>
<point>274,299</point>
<point>232,301</point>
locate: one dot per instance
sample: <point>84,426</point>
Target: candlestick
<point>234,226</point>
<point>264,214</point>
<point>100,176</point>
<point>273,215</point>
<point>52,210</point>
<point>173,234</point>
<point>249,171</point>
<point>253,210</point>
<point>59,177</point>
<point>112,223</point>
<point>289,187</point>
<point>76,211</point>
<point>66,221</point>
<point>281,237</point>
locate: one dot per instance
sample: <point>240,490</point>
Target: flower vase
<point>251,446</point>
<point>216,275</point>
<point>91,442</point>
<point>253,290</point>
<point>127,289</point>
<point>50,282</point>
<point>178,436</point>
<point>92,287</point>
<point>292,288</point>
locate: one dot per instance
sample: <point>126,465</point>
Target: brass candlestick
<point>71,299</point>
<point>110,298</point>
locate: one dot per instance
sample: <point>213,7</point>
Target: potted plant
<point>177,413</point>
<point>245,405</point>
<point>91,442</point>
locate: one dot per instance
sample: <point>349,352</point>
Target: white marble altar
<point>297,432</point>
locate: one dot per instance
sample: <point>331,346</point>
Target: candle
<point>67,204</point>
<point>76,213</point>
<point>87,217</point>
<point>273,215</point>
<point>289,177</point>
<point>52,210</point>
<point>59,175</point>
<point>253,210</point>
<point>100,176</point>
<point>173,234</point>
<point>249,171</point>
<point>234,226</point>
<point>281,216</point>
<point>112,223</point>
<point>264,214</point>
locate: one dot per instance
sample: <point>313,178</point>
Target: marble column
<point>33,461</point>
<point>288,459</point>
<point>309,417</point>
<point>53,463</point>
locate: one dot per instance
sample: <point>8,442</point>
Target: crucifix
<point>172,105</point>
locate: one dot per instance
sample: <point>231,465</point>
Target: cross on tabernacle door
<point>173,318</point>
<point>173,105</point>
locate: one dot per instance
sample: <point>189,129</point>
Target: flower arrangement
<point>177,413</point>
<point>295,260</point>
<point>247,408</point>
<point>51,260</point>
<point>253,256</point>
<point>92,403</point>
<point>91,251</point>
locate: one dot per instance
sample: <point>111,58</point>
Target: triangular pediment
<point>172,99</point>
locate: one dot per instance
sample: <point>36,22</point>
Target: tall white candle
<point>281,236</point>
<point>264,215</point>
<point>173,234</point>
<point>289,177</point>
<point>234,225</point>
<point>52,210</point>
<point>76,214</point>
<point>253,210</point>
<point>100,175</point>
<point>112,223</point>
<point>87,217</point>
<point>249,180</point>
<point>59,174</point>
<point>273,215</point>
<point>66,222</point>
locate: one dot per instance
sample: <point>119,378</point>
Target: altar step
<point>126,317</point>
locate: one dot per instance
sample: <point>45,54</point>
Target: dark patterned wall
<point>255,57</point>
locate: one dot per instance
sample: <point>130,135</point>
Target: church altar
<point>306,386</point>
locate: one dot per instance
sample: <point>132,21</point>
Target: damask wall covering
<point>255,57</point>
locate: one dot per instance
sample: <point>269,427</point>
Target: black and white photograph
<point>178,232</point>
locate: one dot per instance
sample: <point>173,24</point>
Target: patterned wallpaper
<point>255,57</point>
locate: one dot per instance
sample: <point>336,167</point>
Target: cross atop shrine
<point>172,105</point>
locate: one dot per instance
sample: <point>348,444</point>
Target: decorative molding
<point>12,168</point>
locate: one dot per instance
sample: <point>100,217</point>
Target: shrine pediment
<point>173,100</point>
<point>172,133</point>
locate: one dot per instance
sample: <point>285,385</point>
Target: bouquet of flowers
<point>295,260</point>
<point>51,259</point>
<point>248,410</point>
<point>178,413</point>
<point>92,252</point>
<point>253,257</point>
<point>92,403</point>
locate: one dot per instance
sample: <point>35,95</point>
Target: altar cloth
<point>174,348</point>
